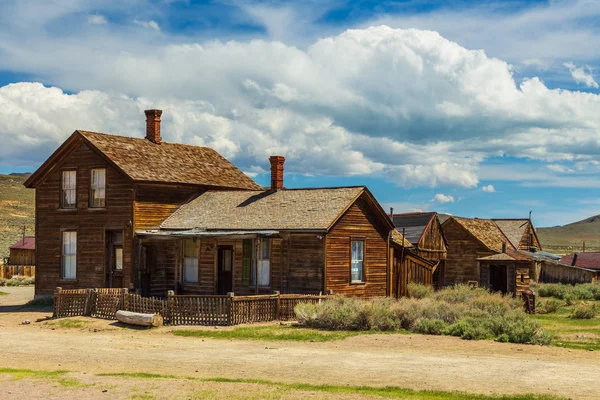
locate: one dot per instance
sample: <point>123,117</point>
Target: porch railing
<point>181,310</point>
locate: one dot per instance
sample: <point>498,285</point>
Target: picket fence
<point>181,309</point>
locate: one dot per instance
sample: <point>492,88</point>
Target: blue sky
<point>475,108</point>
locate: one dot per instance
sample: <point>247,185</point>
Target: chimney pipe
<point>392,212</point>
<point>153,126</point>
<point>574,260</point>
<point>504,247</point>
<point>276,172</point>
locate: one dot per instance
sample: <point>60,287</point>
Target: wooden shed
<point>407,266</point>
<point>425,234</point>
<point>23,252</point>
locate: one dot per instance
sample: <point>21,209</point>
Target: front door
<point>225,269</point>
<point>114,259</point>
<point>498,278</point>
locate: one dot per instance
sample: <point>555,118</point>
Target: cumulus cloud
<point>407,105</point>
<point>582,74</point>
<point>488,189</point>
<point>442,198</point>
<point>147,24</point>
<point>97,19</point>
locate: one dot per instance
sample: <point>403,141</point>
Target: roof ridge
<point>144,139</point>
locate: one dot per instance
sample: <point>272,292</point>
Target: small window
<point>118,259</point>
<point>263,263</point>
<point>69,189</point>
<point>190,261</point>
<point>69,255</point>
<point>358,248</point>
<point>247,252</point>
<point>98,188</point>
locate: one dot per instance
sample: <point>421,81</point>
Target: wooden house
<point>424,232</point>
<point>520,232</point>
<point>22,252</point>
<point>152,216</point>
<point>407,266</point>
<point>468,241</point>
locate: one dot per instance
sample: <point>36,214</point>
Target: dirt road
<point>412,361</point>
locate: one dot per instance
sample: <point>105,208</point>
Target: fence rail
<point>181,310</point>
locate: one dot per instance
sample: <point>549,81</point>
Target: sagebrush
<point>17,281</point>
<point>470,313</point>
<point>569,293</point>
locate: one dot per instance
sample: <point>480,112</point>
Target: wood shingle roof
<point>287,209</point>
<point>486,231</point>
<point>513,229</point>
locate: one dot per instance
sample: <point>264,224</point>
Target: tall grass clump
<point>17,280</point>
<point>569,293</point>
<point>469,313</point>
<point>584,311</point>
<point>417,291</point>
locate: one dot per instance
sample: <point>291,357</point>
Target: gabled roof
<point>486,231</point>
<point>286,209</point>
<point>399,239</point>
<point>589,260</point>
<point>414,224</point>
<point>144,161</point>
<point>27,243</point>
<point>513,229</point>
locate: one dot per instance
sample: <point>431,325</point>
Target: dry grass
<point>17,206</point>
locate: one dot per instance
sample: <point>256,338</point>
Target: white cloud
<point>582,74</point>
<point>97,19</point>
<point>488,189</point>
<point>147,24</point>
<point>559,168</point>
<point>442,198</point>
<point>407,105</point>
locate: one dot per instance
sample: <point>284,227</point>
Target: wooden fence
<point>181,310</point>
<point>8,271</point>
<point>560,273</point>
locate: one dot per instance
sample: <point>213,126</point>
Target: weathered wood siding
<point>463,251</point>
<point>154,203</point>
<point>22,257</point>
<point>306,263</point>
<point>529,239</point>
<point>360,223</point>
<point>89,223</point>
<point>432,245</point>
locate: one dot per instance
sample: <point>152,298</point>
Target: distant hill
<point>569,238</point>
<point>17,209</point>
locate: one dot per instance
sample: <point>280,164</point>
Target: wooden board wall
<point>89,223</point>
<point>432,245</point>
<point>22,257</point>
<point>306,263</point>
<point>155,203</point>
<point>529,237</point>
<point>463,251</point>
<point>358,222</point>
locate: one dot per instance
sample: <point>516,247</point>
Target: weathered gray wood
<point>132,318</point>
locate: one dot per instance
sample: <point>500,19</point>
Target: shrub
<point>583,291</point>
<point>418,291</point>
<point>469,328</point>
<point>549,306</point>
<point>20,281</point>
<point>430,326</point>
<point>584,311</point>
<point>459,293</point>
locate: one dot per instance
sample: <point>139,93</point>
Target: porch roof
<point>204,233</point>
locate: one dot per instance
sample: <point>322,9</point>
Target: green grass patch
<point>387,391</point>
<point>272,333</point>
<point>53,376</point>
<point>3,294</point>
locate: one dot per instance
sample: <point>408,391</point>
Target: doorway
<point>114,259</point>
<point>498,278</point>
<point>224,269</point>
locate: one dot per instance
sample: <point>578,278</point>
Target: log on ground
<point>133,318</point>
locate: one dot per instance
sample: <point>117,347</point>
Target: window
<point>69,254</point>
<point>190,261</point>
<point>69,189</point>
<point>263,263</point>
<point>98,188</point>
<point>358,251</point>
<point>247,252</point>
<point>118,258</point>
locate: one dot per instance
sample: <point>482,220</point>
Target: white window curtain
<point>190,261</point>
<point>358,247</point>
<point>263,263</point>
<point>118,258</point>
<point>98,187</point>
<point>69,192</point>
<point>69,255</point>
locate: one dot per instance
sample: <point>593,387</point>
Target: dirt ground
<point>411,361</point>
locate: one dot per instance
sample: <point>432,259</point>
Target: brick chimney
<point>276,172</point>
<point>153,126</point>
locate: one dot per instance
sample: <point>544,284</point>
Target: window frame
<point>184,257</point>
<point>364,253</point>
<point>63,276</point>
<point>91,191</point>
<point>62,189</point>
<point>255,271</point>
<point>248,270</point>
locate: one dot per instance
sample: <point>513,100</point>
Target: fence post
<point>230,296</point>
<point>124,292</point>
<point>277,304</point>
<point>170,294</point>
<point>56,307</point>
